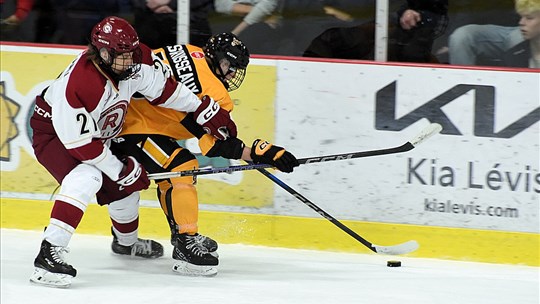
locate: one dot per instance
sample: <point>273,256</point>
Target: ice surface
<point>251,274</point>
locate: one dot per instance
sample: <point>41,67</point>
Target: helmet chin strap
<point>222,75</point>
<point>219,73</point>
<point>126,74</point>
<point>108,69</point>
<point>106,61</point>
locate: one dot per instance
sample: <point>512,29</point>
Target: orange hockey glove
<point>266,153</point>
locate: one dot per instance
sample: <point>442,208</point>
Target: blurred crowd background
<point>286,27</point>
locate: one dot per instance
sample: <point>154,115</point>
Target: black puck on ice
<point>393,263</point>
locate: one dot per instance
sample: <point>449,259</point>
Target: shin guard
<point>179,201</point>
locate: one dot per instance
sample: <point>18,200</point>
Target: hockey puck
<point>393,263</point>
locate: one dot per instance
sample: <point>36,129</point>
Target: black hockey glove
<point>231,148</point>
<point>266,153</point>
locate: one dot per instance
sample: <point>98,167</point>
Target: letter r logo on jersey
<point>111,120</point>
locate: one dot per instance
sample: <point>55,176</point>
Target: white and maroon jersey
<point>88,107</point>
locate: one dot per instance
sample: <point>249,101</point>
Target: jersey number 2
<point>83,120</point>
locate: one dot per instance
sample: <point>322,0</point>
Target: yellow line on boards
<point>305,233</point>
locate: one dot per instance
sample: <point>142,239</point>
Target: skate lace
<point>58,254</point>
<point>194,244</point>
<point>141,247</point>
<point>199,238</point>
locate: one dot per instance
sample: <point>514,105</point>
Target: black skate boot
<point>147,249</point>
<point>192,258</point>
<point>50,267</point>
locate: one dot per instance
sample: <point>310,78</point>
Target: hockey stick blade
<point>402,248</point>
<point>426,133</point>
<point>429,131</point>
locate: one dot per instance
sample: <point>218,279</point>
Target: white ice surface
<point>251,274</point>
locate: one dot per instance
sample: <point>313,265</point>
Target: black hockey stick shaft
<point>426,133</point>
<point>317,209</point>
<point>403,248</point>
<point>302,161</point>
<point>320,159</point>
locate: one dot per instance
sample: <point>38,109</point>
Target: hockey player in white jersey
<point>73,122</point>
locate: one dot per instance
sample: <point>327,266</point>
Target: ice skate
<point>50,267</point>
<point>192,257</point>
<point>147,249</point>
<point>205,241</point>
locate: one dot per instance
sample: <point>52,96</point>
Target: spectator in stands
<point>23,8</point>
<point>410,36</point>
<point>46,22</point>
<point>526,53</point>
<point>155,21</point>
<point>253,11</point>
<point>482,44</point>
<point>13,14</point>
<point>69,22</point>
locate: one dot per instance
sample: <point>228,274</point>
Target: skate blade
<point>187,269</point>
<point>49,279</point>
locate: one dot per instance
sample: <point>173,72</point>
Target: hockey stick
<point>402,248</point>
<point>429,131</point>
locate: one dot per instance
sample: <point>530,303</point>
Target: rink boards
<point>303,233</point>
<point>470,193</point>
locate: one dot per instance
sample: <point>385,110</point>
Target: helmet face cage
<point>235,82</point>
<point>227,48</point>
<point>130,65</point>
<point>112,37</point>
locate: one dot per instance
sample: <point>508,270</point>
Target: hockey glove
<point>266,153</point>
<point>215,120</point>
<point>231,148</point>
<point>133,177</point>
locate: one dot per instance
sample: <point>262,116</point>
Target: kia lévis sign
<point>481,172</point>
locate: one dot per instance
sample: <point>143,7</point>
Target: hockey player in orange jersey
<point>150,135</point>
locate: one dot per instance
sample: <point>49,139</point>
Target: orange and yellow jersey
<point>188,66</point>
